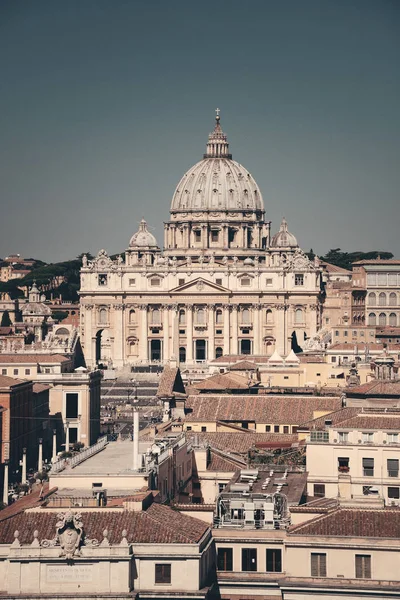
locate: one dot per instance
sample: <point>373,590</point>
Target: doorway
<point>245,346</point>
<point>155,350</point>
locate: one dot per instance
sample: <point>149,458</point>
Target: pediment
<point>200,285</point>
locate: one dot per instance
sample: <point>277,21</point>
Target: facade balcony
<point>200,326</point>
<point>153,326</point>
<point>245,326</point>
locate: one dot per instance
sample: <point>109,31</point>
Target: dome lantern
<point>217,145</point>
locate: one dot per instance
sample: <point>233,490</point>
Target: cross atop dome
<point>217,145</point>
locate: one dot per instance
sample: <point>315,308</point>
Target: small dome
<point>284,239</point>
<point>143,238</point>
<point>248,261</point>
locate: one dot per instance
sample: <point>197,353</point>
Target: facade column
<point>40,456</point>
<point>189,333</point>
<point>226,308</point>
<point>23,478</point>
<point>166,354</point>
<point>175,331</point>
<point>234,336</point>
<point>280,343</point>
<point>225,236</point>
<point>143,339</point>
<point>211,336</point>
<point>119,341</point>
<point>244,231</point>
<point>54,454</point>
<point>5,484</point>
<point>256,329</point>
<point>204,236</point>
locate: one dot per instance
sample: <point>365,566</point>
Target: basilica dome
<point>217,183</point>
<point>143,238</point>
<point>284,239</point>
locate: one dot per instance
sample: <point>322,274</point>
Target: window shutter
<point>318,565</point>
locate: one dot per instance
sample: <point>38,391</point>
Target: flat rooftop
<point>115,459</point>
<point>269,480</point>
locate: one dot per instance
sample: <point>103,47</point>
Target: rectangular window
<point>393,467</point>
<point>214,235</point>
<point>268,428</point>
<point>392,279</point>
<point>319,490</point>
<point>299,279</point>
<point>368,467</point>
<point>319,436</point>
<point>188,428</point>
<point>156,281</point>
<point>367,438</point>
<point>218,332</point>
<point>345,333</point>
<point>371,278</point>
<point>394,493</point>
<point>203,428</point>
<point>274,560</point>
<point>71,405</point>
<point>382,279</point>
<point>363,566</point>
<point>102,279</point>
<point>318,564</point>
<point>132,282</point>
<point>27,371</point>
<point>181,281</point>
<point>268,282</point>
<point>218,281</point>
<point>245,281</point>
<point>163,573</point>
<point>47,370</point>
<point>343,465</point>
<point>4,371</point>
<point>15,371</point>
<point>249,559</point>
<point>333,359</point>
<point>73,435</point>
<point>337,333</point>
<point>286,377</point>
<point>285,429</point>
<point>225,559</point>
<point>197,235</point>
<point>343,437</point>
<point>392,438</point>
<point>276,428</point>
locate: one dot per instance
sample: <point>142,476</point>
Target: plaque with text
<point>69,573</point>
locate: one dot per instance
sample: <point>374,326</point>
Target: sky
<point>105,104</point>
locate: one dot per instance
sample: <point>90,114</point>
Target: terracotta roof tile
<point>287,410</point>
<point>223,381</point>
<point>33,358</point>
<point>346,522</point>
<point>170,382</point>
<point>219,463</point>
<point>376,388</point>
<point>240,442</point>
<point>243,365</point>
<point>40,387</point>
<point>7,382</point>
<point>361,347</point>
<point>158,524</point>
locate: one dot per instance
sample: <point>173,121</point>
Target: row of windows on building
<point>384,279</point>
<point>102,280</point>
<point>200,316</point>
<point>365,437</point>
<point>15,372</point>
<point>392,492</point>
<point>268,428</point>
<point>382,299</point>
<point>382,319</point>
<point>318,562</point>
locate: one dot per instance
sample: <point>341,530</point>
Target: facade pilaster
<point>226,309</point>
<point>118,316</point>
<point>189,333</point>
<point>256,329</point>
<point>234,336</point>
<point>175,332</point>
<point>211,333</point>
<point>143,336</point>
<point>166,354</point>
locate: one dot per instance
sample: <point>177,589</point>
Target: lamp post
<point>54,456</point>
<point>23,478</point>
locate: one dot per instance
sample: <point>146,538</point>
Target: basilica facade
<point>221,285</point>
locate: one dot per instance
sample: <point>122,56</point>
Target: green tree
<point>5,319</point>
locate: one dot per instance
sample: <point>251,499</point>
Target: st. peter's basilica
<point>222,284</point>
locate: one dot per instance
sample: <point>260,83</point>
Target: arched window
<point>393,320</point>
<point>156,316</point>
<point>372,319</point>
<point>372,299</point>
<point>246,316</point>
<point>268,316</point>
<point>132,316</point>
<point>382,320</point>
<point>382,299</point>
<point>182,319</point>
<point>298,316</point>
<point>218,317</point>
<point>201,316</point>
<point>218,352</point>
<point>103,316</point>
<point>392,299</point>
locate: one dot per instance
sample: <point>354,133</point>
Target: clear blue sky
<point>104,105</point>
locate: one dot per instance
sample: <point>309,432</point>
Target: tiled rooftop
<point>8,382</point>
<point>240,442</point>
<point>287,410</point>
<point>225,381</point>
<point>376,388</point>
<point>170,382</point>
<point>157,525</point>
<point>26,358</point>
<point>349,522</point>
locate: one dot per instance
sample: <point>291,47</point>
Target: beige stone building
<point>222,285</point>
